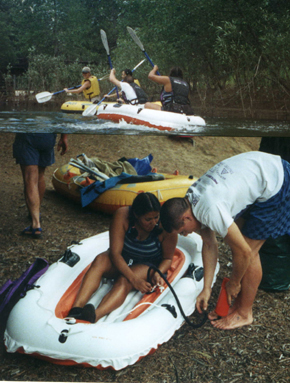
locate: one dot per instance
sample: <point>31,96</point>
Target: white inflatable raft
<point>37,325</point>
<point>138,115</point>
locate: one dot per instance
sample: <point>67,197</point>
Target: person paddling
<point>131,92</point>
<point>125,72</point>
<point>174,94</point>
<point>90,86</point>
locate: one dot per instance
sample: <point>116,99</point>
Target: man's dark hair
<point>128,72</point>
<point>171,212</point>
<point>128,78</point>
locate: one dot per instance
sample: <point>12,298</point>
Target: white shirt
<point>232,185</point>
<point>128,90</point>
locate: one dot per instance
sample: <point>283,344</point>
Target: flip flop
<point>29,231</point>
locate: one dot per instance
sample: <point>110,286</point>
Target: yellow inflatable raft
<point>78,106</point>
<point>67,180</point>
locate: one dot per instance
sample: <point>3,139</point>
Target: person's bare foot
<point>232,321</point>
<point>213,315</point>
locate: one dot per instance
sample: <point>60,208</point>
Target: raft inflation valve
<point>193,325</point>
<point>70,258</point>
<point>171,309</point>
<point>199,273</point>
<point>63,336</point>
<point>194,272</point>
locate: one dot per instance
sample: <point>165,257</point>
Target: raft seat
<point>177,263</point>
<point>65,303</point>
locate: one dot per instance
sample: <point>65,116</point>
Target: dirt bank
<point>258,353</point>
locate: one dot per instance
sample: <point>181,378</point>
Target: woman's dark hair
<point>144,203</point>
<point>128,72</point>
<point>176,72</point>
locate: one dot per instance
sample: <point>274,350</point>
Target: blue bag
<point>142,166</point>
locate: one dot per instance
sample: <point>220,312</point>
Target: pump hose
<point>193,325</point>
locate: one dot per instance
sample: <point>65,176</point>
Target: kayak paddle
<point>91,110</point>
<point>140,45</point>
<point>46,96</point>
<point>106,46</point>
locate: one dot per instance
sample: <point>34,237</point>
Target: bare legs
<point>103,267</point>
<point>241,313</point>
<point>34,188</point>
<point>119,292</point>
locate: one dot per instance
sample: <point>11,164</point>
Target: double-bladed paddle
<point>91,110</point>
<point>140,45</point>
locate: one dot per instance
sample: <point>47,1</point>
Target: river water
<point>37,121</point>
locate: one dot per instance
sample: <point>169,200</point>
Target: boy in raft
<point>90,86</point>
<point>136,240</point>
<point>174,94</point>
<point>131,91</point>
<point>245,199</point>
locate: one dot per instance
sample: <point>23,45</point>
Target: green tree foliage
<point>7,51</point>
<point>228,49</point>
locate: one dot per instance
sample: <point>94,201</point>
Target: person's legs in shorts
<point>34,188</point>
<point>33,153</point>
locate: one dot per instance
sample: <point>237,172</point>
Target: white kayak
<point>138,115</point>
<point>38,323</point>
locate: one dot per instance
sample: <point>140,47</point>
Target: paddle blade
<point>135,38</point>
<point>140,63</point>
<point>43,97</point>
<point>105,41</point>
<point>90,111</point>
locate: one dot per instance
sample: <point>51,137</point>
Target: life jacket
<point>93,90</point>
<point>136,81</point>
<point>142,97</point>
<point>179,93</point>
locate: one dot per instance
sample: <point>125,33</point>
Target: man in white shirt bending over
<point>245,199</point>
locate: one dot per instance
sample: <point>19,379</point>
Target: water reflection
<point>56,121</point>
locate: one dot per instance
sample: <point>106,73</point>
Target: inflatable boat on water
<point>68,180</point>
<point>78,106</point>
<point>138,115</point>
<point>38,324</point>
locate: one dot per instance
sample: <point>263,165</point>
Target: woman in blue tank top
<point>136,240</point>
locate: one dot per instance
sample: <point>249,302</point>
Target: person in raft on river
<point>136,239</point>
<point>245,199</point>
<point>174,94</point>
<point>90,86</point>
<point>125,72</point>
<point>131,92</point>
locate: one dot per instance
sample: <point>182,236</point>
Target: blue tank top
<point>147,251</point>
